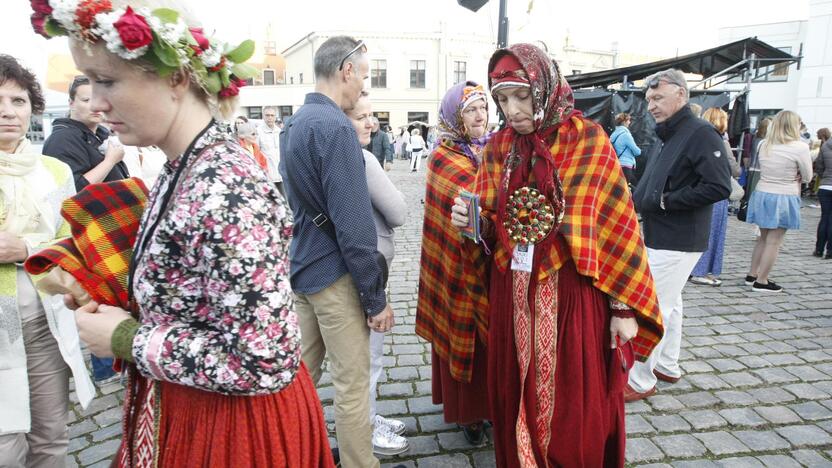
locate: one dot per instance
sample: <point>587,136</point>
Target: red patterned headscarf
<point>552,103</point>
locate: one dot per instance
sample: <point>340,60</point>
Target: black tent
<point>731,59</point>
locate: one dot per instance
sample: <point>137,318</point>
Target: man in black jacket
<point>685,175</point>
<point>380,144</point>
<point>82,143</point>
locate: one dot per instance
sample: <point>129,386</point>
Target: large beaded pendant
<point>530,216</point>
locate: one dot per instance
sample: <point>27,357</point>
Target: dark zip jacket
<point>690,170</point>
<point>77,146</point>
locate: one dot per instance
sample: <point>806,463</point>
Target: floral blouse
<point>212,286</point>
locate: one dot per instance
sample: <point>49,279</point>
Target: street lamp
<point>502,28</point>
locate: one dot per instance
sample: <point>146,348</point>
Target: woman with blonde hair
<point>709,267</point>
<point>775,204</point>
<point>211,343</point>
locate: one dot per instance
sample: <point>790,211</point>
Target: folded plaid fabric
<point>104,220</point>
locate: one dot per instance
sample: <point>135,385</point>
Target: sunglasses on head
<point>360,46</point>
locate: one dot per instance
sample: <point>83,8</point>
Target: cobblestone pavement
<point>757,389</point>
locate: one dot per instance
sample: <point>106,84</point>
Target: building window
<point>576,71</point>
<point>417,117</point>
<point>383,119</point>
<point>268,77</point>
<point>300,78</point>
<point>378,74</point>
<point>254,112</point>
<point>417,73</point>
<point>284,111</point>
<point>459,71</point>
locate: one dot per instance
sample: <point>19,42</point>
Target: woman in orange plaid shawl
<point>452,307</point>
<point>566,324</point>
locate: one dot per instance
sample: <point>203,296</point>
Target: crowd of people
<point>238,258</point>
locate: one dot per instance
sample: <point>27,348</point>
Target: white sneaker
<point>385,442</point>
<point>396,427</point>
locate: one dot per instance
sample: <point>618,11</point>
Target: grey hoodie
<point>823,164</point>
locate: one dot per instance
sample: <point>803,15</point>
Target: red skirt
<point>588,421</point>
<point>463,403</point>
<point>284,429</point>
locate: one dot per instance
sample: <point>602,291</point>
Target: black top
<point>76,145</point>
<point>690,170</point>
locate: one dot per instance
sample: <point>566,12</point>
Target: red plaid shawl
<point>104,219</point>
<point>600,227</point>
<point>453,300</point>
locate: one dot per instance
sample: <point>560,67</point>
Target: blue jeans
<point>102,368</point>
<point>825,224</point>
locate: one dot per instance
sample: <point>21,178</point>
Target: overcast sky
<point>653,27</point>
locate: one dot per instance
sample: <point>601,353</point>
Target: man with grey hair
<point>685,175</point>
<point>337,280</point>
<point>380,144</point>
<point>268,136</point>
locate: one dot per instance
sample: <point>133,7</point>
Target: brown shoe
<point>632,395</point>
<point>664,377</point>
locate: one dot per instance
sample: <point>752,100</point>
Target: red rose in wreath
<point>133,30</point>
<point>41,7</point>
<point>38,22</point>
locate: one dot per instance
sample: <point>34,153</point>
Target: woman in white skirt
<point>416,147</point>
<point>775,204</point>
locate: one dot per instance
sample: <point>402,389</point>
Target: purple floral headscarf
<point>451,130</point>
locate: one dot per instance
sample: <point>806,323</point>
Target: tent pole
<point>502,28</point>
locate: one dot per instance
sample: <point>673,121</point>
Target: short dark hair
<point>77,82</point>
<point>824,134</point>
<point>12,70</point>
<point>332,53</point>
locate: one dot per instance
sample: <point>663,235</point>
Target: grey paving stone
<point>726,364</point>
<point>805,435</point>
<point>811,458</point>
<point>771,395</point>
<point>680,446</point>
<point>107,432</point>
<point>636,424</point>
<point>754,362</point>
<point>484,459</point>
<point>807,391</point>
<point>761,440</point>
<point>740,462</point>
<point>697,399</point>
<point>741,379</point>
<point>775,375</point>
<point>422,445</point>
<point>422,405</point>
<point>434,423</point>
<point>665,403</point>
<point>695,464</point>
<point>742,417</point>
<point>704,419</point>
<point>782,359</point>
<point>655,465</point>
<point>693,367</point>
<point>778,414</point>
<point>642,450</point>
<point>670,423</point>
<point>85,426</point>
<point>811,411</point>
<point>808,373</point>
<point>396,389</point>
<point>403,373</point>
<point>326,394</point>
<point>76,444</point>
<point>98,452</point>
<point>406,464</point>
<point>111,416</point>
<point>779,461</point>
<point>456,460</point>
<point>635,407</point>
<point>735,397</point>
<point>707,381</point>
<point>391,407</point>
<point>721,443</point>
<point>99,404</point>
<point>410,360</point>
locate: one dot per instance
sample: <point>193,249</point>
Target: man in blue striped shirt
<point>338,283</point>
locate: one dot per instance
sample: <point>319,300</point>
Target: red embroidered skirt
<point>284,429</point>
<point>463,403</point>
<point>588,422</point>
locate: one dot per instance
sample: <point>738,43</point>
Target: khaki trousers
<point>333,324</point>
<point>46,443</point>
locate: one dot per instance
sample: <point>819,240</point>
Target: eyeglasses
<point>361,46</point>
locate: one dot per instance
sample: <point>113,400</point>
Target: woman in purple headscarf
<point>453,300</point>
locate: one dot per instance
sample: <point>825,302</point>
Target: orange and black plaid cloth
<point>104,220</point>
<point>600,226</point>
<point>453,299</point>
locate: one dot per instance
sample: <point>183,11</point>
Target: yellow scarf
<point>22,212</point>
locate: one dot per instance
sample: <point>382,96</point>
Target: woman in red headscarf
<point>571,298</point>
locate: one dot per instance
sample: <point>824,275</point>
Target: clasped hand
<point>96,324</point>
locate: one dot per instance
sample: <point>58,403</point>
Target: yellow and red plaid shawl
<point>104,219</point>
<point>600,227</point>
<point>453,299</point>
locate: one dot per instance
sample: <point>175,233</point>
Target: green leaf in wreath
<point>53,28</point>
<point>244,71</point>
<point>166,15</point>
<point>165,53</point>
<point>212,83</point>
<point>161,68</point>
<point>242,52</point>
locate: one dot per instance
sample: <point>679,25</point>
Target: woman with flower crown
<point>211,343</point>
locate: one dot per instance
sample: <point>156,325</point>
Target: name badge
<point>521,258</point>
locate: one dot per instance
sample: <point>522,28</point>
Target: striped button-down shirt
<point>320,149</point>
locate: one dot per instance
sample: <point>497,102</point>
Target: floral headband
<point>160,37</point>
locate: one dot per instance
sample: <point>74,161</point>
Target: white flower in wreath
<point>212,56</point>
<point>63,11</point>
<point>171,33</point>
